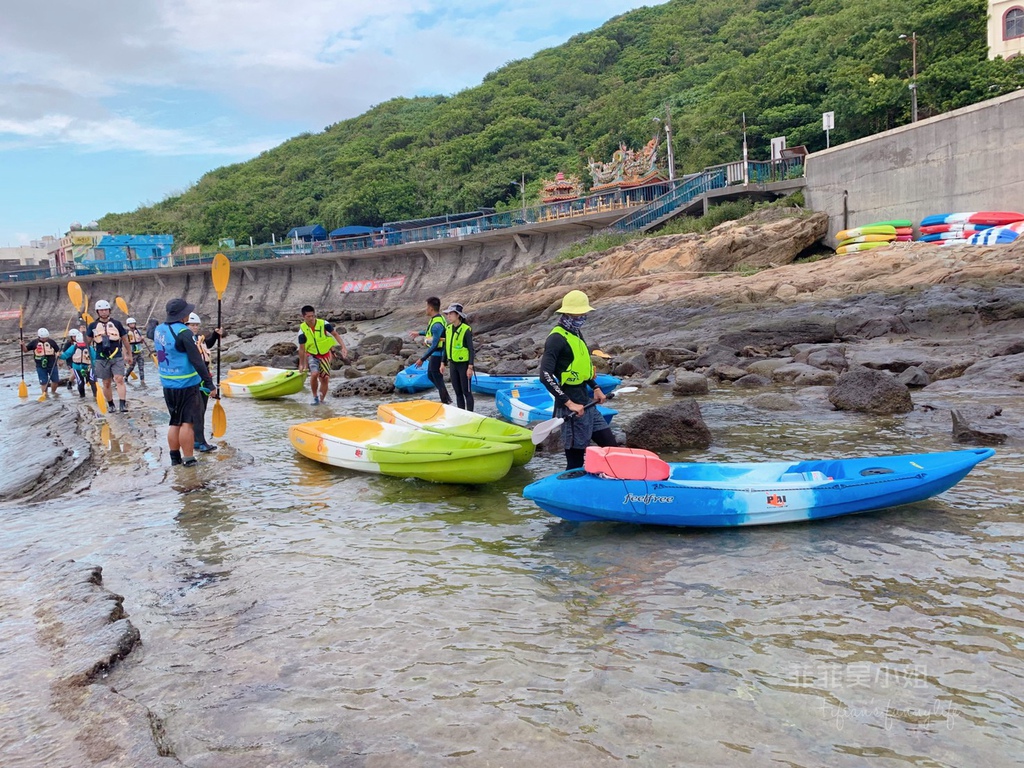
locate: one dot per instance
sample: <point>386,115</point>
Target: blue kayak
<point>486,384</point>
<point>527,405</point>
<point>413,379</point>
<point>630,486</point>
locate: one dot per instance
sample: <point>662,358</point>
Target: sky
<point>109,105</point>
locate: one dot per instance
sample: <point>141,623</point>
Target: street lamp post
<point>669,158</point>
<point>913,76</point>
<point>522,188</point>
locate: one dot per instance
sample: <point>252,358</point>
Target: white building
<point>1005,28</point>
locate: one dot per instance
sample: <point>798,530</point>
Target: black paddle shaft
<point>219,341</point>
<point>21,335</point>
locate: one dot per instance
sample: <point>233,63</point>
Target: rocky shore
<point>739,310</point>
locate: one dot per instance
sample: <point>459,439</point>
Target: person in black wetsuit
<point>567,372</point>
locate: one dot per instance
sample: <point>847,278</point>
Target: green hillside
<point>782,62</point>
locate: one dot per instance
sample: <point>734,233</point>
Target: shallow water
<point>297,615</point>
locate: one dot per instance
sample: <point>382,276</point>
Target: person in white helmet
<point>44,349</point>
<point>78,356</point>
<point>567,372</point>
<point>203,344</point>
<point>140,349</point>
<point>111,352</point>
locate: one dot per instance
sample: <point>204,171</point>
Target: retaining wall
<point>971,159</point>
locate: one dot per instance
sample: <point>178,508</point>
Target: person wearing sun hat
<point>458,355</point>
<point>182,372</point>
<point>567,372</point>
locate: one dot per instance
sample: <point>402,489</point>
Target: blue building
<point>127,253</point>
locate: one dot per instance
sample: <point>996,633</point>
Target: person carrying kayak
<point>317,340</point>
<point>567,372</point>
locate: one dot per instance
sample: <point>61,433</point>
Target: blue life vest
<point>176,370</point>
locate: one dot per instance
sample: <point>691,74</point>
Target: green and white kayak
<point>262,383</point>
<point>449,420</point>
<point>365,445</point>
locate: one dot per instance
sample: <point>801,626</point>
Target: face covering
<point>574,324</point>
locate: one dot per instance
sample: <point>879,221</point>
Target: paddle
<point>76,296</point>
<point>23,387</point>
<point>221,272</point>
<point>545,428</point>
<point>123,306</point>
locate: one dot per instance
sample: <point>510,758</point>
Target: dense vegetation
<point>781,62</point>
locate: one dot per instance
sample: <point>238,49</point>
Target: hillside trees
<point>780,62</point>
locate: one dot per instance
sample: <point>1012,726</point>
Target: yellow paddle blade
<point>221,274</point>
<point>601,353</point>
<point>23,389</point>
<point>76,296</point>
<point>134,376</point>
<point>155,360</point>
<point>220,419</point>
<point>122,305</point>
<point>87,317</point>
<point>101,401</point>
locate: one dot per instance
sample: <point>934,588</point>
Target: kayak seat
<point>625,463</point>
<point>876,471</point>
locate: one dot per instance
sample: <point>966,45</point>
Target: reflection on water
<point>295,614</point>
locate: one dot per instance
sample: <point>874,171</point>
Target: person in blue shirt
<point>434,339</point>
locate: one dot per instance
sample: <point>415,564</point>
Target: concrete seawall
<point>971,159</point>
<point>269,293</point>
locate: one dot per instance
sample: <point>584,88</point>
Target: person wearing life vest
<point>111,352</point>
<point>78,355</point>
<point>318,340</point>
<point>44,350</point>
<point>433,337</point>
<point>203,343</point>
<point>183,374</point>
<point>567,372</point>
<point>458,355</point>
<point>139,348</point>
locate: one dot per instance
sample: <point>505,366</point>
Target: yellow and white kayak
<point>449,420</point>
<point>365,445</point>
<point>262,383</point>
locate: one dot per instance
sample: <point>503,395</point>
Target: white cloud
<point>74,72</point>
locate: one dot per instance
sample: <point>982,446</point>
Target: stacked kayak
<point>526,405</point>
<point>626,485</point>
<point>413,379</point>
<point>489,385</point>
<point>997,235</point>
<point>262,383</point>
<point>969,227</point>
<point>449,420</point>
<point>875,235</point>
<point>365,445</point>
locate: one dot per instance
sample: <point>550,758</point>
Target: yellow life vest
<point>453,343</point>
<point>582,367</point>
<point>318,341</point>
<point>430,330</point>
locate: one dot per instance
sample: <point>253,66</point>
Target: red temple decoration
<point>562,188</point>
<point>628,168</point>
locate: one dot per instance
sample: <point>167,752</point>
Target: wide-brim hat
<point>177,309</point>
<point>457,308</point>
<point>575,303</point>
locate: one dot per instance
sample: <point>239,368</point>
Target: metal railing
<point>657,200</point>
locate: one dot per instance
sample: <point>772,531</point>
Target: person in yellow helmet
<point>567,372</point>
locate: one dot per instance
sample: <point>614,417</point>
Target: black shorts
<point>184,405</point>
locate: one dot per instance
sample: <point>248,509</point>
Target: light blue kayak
<point>528,405</point>
<point>413,379</point>
<point>486,384</point>
<point>612,487</point>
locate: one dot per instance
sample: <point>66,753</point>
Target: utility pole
<point>668,141</point>
<point>522,188</point>
<point>746,173</point>
<point>913,76</point>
